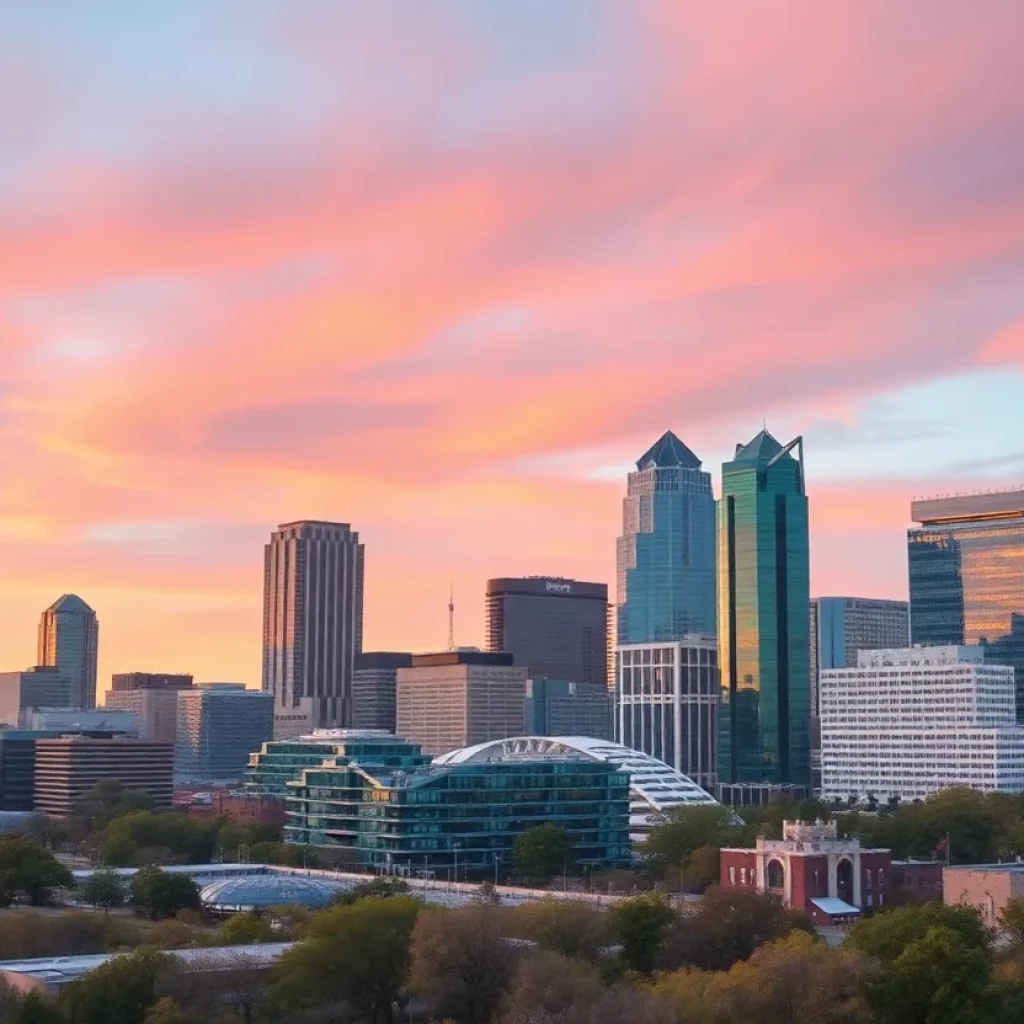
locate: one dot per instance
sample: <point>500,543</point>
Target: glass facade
<point>283,761</point>
<point>467,815</point>
<point>668,704</point>
<point>68,641</point>
<point>966,563</point>
<point>764,617</point>
<point>666,554</point>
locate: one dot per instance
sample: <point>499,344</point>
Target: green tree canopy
<point>375,887</point>
<point>161,894</point>
<point>30,869</point>
<point>168,835</point>
<point>886,935</point>
<point>357,954</point>
<point>640,925</point>
<point>683,830</point>
<point>121,991</point>
<point>105,889</point>
<point>543,851</point>
<point>572,928</point>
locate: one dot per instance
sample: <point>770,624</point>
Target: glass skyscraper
<point>68,641</point>
<point>966,561</point>
<point>763,616</point>
<point>666,554</point>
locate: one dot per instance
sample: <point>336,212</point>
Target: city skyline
<point>450,304</point>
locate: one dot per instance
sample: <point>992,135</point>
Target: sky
<point>444,271</point>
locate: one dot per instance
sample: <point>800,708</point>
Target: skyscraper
<point>666,554</point>
<point>374,688</point>
<point>555,628</point>
<point>966,561</point>
<point>68,641</point>
<point>763,617</point>
<point>312,623</point>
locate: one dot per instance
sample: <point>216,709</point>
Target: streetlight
<point>455,847</point>
<point>497,861</point>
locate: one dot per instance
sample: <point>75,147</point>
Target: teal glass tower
<point>763,620</point>
<point>666,554</point>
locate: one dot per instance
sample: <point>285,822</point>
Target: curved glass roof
<point>255,891</point>
<point>654,786</point>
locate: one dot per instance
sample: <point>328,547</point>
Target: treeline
<point>118,827</point>
<point>734,957</point>
<point>968,826</point>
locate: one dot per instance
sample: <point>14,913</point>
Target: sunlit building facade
<point>68,641</point>
<point>666,554</point>
<point>312,623</point>
<point>763,619</point>
<point>966,561</point>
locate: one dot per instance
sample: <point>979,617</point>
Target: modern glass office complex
<point>966,562</point>
<point>763,615</point>
<point>460,817</point>
<point>281,761</point>
<point>666,554</point>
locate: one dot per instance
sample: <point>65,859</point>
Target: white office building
<point>667,703</point>
<point>912,721</point>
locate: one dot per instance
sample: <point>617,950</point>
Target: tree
<point>103,889</point>
<point>574,929</point>
<point>553,984</point>
<point>286,854</point>
<point>543,851</point>
<point>376,887</point>
<point>640,924</point>
<point>683,830</point>
<point>357,954</point>
<point>794,979</point>
<point>701,869</point>
<point>169,836</point>
<point>244,930</point>
<point>1011,921</point>
<point>166,1011</point>
<point>38,1009</point>
<point>161,894</point>
<point>462,963</point>
<point>26,867</point>
<point>886,935</point>
<point>121,990</point>
<point>727,927</point>
<point>936,979</point>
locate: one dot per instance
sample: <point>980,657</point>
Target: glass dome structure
<point>258,892</point>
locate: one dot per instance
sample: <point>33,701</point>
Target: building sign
<point>559,588</point>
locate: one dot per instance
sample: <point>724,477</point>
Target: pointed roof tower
<point>668,450</point>
<point>762,448</point>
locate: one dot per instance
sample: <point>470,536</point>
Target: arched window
<point>776,875</point>
<point>732,875</point>
<point>743,876</point>
<point>844,880</point>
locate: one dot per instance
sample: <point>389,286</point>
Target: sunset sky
<point>444,270</point>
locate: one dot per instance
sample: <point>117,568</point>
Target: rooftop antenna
<point>451,616</point>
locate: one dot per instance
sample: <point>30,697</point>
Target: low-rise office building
<point>67,767</point>
<point>461,697</point>
<point>41,687</point>
<point>557,707</point>
<point>219,726</point>
<point>459,818</point>
<point>374,689</point>
<point>986,887</point>
<point>907,723</point>
<point>279,762</point>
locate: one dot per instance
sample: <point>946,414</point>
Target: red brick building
<point>811,869</point>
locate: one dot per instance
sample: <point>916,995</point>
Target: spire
<point>762,448</point>
<point>668,450</point>
<point>451,616</point>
